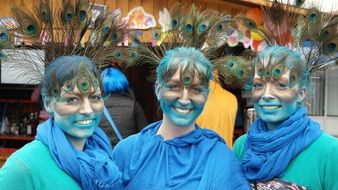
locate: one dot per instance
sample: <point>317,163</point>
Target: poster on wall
<point>139,19</point>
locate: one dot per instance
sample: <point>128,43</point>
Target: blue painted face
<point>275,100</point>
<point>77,113</point>
<point>182,105</point>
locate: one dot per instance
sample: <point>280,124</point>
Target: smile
<point>270,107</point>
<point>182,110</point>
<point>84,122</point>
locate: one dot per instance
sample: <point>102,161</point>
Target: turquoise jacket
<point>315,167</point>
<point>32,167</point>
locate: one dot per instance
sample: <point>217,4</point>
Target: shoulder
<point>22,166</point>
<point>238,147</point>
<point>30,151</point>
<point>325,144</point>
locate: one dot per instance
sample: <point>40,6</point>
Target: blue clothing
<point>268,153</point>
<point>92,168</point>
<point>199,160</point>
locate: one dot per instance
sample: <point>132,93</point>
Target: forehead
<point>186,78</point>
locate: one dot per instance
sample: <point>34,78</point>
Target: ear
<point>48,104</point>
<point>157,90</point>
<point>301,94</point>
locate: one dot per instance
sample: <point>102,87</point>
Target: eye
<point>95,97</point>
<point>258,85</point>
<point>282,85</point>
<point>173,87</point>
<point>72,100</point>
<point>197,90</point>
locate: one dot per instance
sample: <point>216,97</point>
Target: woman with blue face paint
<point>70,150</point>
<point>284,145</point>
<point>175,153</point>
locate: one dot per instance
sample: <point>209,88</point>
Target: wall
<point>151,6</point>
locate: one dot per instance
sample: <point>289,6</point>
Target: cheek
<point>200,99</point>
<point>98,106</point>
<point>63,109</point>
<point>289,96</point>
<point>256,95</point>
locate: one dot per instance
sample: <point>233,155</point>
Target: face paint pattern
<point>180,103</point>
<point>78,113</point>
<point>275,99</point>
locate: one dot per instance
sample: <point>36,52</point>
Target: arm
<point>238,147</point>
<point>331,170</point>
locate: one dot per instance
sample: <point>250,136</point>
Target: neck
<point>168,130</point>
<point>78,143</point>
<point>272,126</point>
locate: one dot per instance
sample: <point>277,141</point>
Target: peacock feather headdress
<point>62,28</point>
<point>310,33</point>
<point>206,30</point>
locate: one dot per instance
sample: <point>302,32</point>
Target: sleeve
<point>16,174</point>
<point>229,173</point>
<point>331,170</point>
<point>140,118</point>
<point>122,156</point>
<point>238,147</point>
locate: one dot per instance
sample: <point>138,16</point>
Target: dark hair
<point>64,69</point>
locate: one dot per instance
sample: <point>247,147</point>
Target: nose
<point>85,107</point>
<point>268,94</point>
<point>184,99</point>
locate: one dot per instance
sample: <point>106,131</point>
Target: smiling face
<point>275,99</point>
<point>182,103</point>
<point>76,112</point>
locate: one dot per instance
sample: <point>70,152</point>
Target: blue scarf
<point>268,153</point>
<point>91,168</point>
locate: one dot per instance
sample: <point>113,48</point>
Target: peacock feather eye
<point>267,74</point>
<point>82,15</point>
<point>2,55</point>
<point>187,78</point>
<point>329,47</point>
<point>231,64</point>
<point>4,37</point>
<point>188,28</point>
<point>202,28</point>
<point>105,30</point>
<point>240,73</point>
<point>277,71</point>
<point>117,54</point>
<point>313,17</point>
<point>219,27</point>
<point>261,72</point>
<point>69,17</point>
<point>299,3</point>
<point>83,83</point>
<point>116,36</point>
<point>174,23</point>
<point>29,27</point>
<point>156,34</point>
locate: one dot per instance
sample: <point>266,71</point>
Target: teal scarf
<point>92,168</point>
<point>268,153</point>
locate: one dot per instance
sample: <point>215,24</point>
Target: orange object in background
<point>5,153</point>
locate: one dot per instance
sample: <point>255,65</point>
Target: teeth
<point>270,107</point>
<point>85,122</point>
<point>183,111</point>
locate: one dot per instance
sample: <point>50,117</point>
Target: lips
<point>271,107</point>
<point>182,110</point>
<point>85,122</point>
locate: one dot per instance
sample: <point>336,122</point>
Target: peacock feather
<point>54,29</point>
<point>206,30</point>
